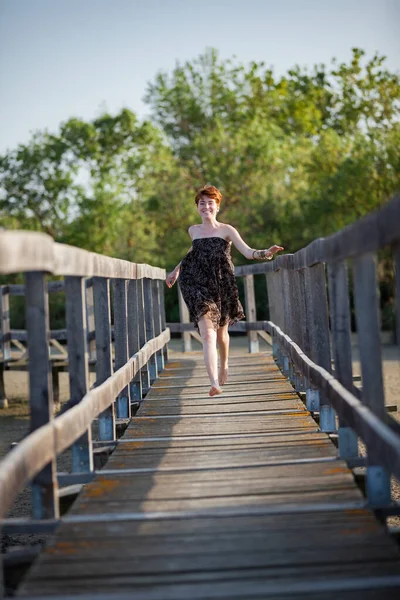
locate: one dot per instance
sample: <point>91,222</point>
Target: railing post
<point>317,307</point>
<point>396,258</point>
<point>78,365</point>
<point>104,367</point>
<point>250,310</point>
<point>90,320</point>
<point>157,321</point>
<point>163,318</point>
<point>341,344</point>
<point>133,337</point>
<point>368,330</point>
<point>44,485</point>
<point>149,319</point>
<point>5,337</point>
<point>121,342</point>
<point>184,318</point>
<point>142,333</point>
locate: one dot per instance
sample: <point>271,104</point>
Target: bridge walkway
<point>236,497</point>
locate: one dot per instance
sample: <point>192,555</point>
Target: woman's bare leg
<point>223,347</point>
<point>209,338</point>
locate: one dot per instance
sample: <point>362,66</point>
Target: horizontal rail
<point>383,442</point>
<point>369,234</point>
<point>37,449</point>
<point>22,251</point>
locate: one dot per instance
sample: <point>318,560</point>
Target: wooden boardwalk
<point>240,496</point>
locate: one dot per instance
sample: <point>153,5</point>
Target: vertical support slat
<point>184,318</point>
<point>163,317</point>
<point>78,365</point>
<point>341,344</point>
<point>250,310</point>
<point>133,337</point>
<point>157,321</point>
<point>104,367</point>
<point>149,319</point>
<point>317,306</point>
<point>142,334</point>
<point>120,298</point>
<point>368,330</point>
<point>5,337</point>
<point>90,320</point>
<point>396,258</point>
<point>44,485</point>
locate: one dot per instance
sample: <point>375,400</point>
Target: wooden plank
<point>184,319</point>
<point>78,365</point>
<point>250,310</point>
<point>104,366</point>
<point>149,322</point>
<point>145,374</point>
<point>120,301</point>
<point>136,388</point>
<point>44,486</point>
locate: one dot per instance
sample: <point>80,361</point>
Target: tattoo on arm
<point>262,254</point>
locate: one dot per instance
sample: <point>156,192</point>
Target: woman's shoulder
<point>192,229</point>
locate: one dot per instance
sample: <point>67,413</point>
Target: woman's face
<point>207,207</point>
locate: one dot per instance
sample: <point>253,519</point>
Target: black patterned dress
<point>208,284</point>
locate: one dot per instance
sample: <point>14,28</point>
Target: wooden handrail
<point>22,251</point>
<point>30,456</point>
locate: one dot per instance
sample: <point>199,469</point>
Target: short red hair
<point>211,191</point>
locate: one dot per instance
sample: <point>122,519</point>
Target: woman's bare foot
<point>215,390</point>
<point>223,375</point>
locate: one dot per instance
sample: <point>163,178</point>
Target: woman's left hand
<point>274,249</point>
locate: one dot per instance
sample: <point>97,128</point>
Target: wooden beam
<point>44,486</point>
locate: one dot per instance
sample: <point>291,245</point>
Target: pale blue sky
<point>63,58</point>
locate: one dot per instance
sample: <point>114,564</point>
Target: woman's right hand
<point>171,278</point>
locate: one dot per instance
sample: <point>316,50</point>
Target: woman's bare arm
<point>173,276</point>
<point>250,253</point>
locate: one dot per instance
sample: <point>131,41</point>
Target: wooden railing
<point>123,373</point>
<point>308,299</point>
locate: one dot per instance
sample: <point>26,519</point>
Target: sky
<point>65,58</point>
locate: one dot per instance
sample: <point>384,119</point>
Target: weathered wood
<point>341,343</point>
<point>78,365</point>
<point>374,432</point>
<point>368,328</point>
<point>163,317</point>
<point>91,334</point>
<point>145,374</point>
<point>396,258</point>
<point>136,389</point>
<point>36,450</point>
<point>318,321</point>
<point>250,310</point>
<point>31,251</point>
<point>184,318</point>
<point>104,366</point>
<point>149,321</point>
<point>155,290</point>
<point>44,485</point>
<point>186,503</point>
<point>120,298</point>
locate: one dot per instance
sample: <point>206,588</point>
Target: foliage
<point>296,157</point>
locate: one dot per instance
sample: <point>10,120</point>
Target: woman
<point>207,281</point>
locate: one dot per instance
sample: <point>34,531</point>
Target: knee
<point>208,335</point>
